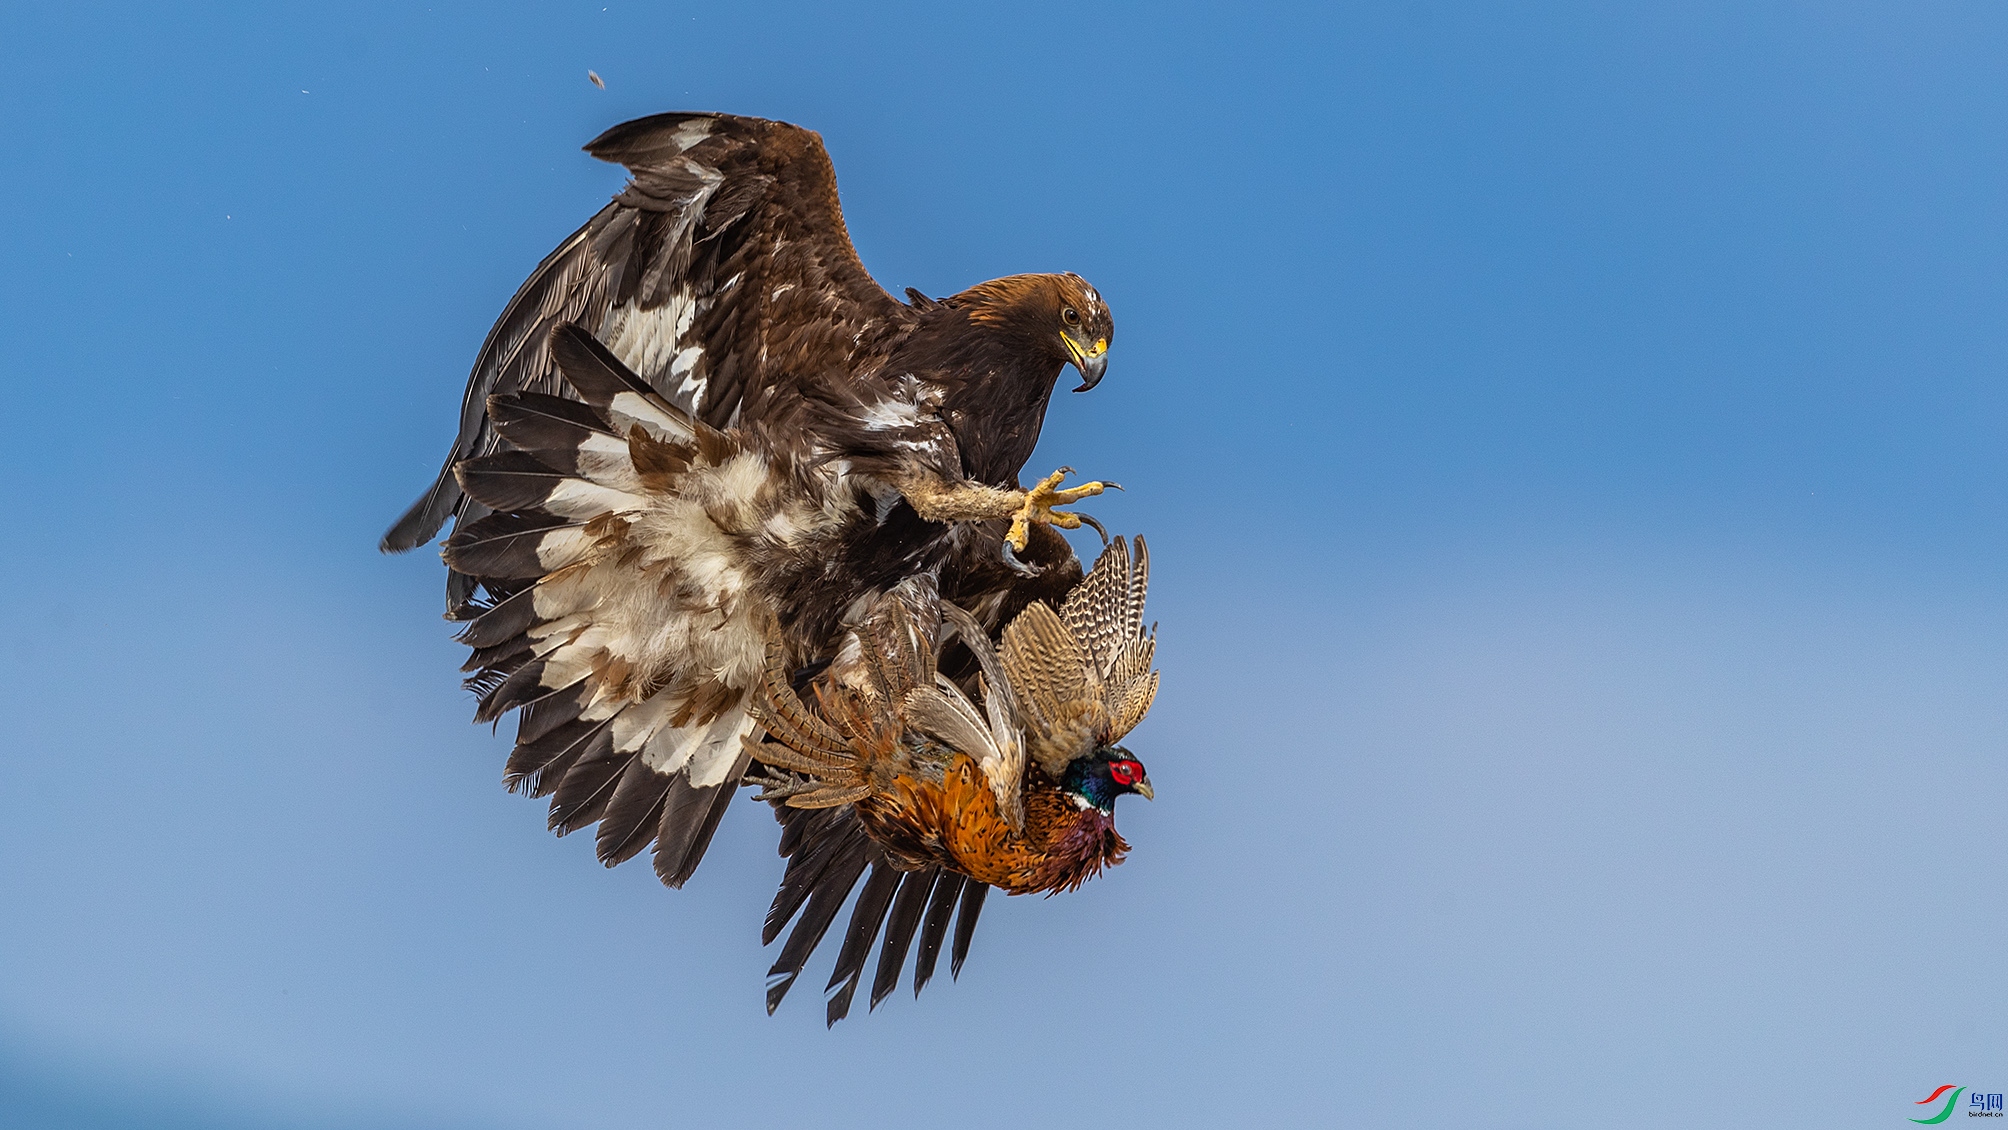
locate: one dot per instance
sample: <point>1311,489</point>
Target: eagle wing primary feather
<point>722,274</point>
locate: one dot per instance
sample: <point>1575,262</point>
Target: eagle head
<point>1061,315</point>
<point>1085,327</point>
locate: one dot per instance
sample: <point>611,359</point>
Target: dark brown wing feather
<point>722,274</point>
<point>828,853</point>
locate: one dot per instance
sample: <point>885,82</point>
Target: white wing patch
<point>887,414</point>
<point>651,342</point>
<point>689,386</point>
<point>630,409</point>
<point>562,547</point>
<point>690,133</point>
<point>574,498</point>
<point>706,752</point>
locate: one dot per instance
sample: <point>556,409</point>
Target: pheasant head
<point>1095,781</point>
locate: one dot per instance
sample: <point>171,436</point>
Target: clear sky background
<point>1572,439</point>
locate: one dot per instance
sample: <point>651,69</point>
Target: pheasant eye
<point>1070,316</point>
<point>1124,772</point>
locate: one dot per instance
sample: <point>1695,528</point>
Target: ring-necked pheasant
<point>891,764</point>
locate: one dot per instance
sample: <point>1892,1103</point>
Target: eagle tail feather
<point>826,898</point>
<point>934,928</point>
<point>901,924</point>
<point>867,916</point>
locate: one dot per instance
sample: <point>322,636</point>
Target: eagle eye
<point>1070,316</point>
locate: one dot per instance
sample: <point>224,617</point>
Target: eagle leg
<point>1040,501</point>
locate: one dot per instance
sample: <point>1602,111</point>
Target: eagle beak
<point>1091,360</point>
<point>1143,789</point>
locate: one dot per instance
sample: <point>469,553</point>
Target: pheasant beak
<point>1091,360</point>
<point>1143,789</point>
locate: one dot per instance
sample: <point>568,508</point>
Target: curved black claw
<point>1097,527</point>
<point>1012,563</point>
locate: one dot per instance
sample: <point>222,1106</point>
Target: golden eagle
<point>700,424</point>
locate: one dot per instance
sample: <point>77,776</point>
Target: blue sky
<point>1571,438</point>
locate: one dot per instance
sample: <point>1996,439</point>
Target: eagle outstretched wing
<point>625,553</point>
<point>722,274</point>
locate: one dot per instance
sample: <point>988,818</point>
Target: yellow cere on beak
<point>1091,360</point>
<point>1089,353</point>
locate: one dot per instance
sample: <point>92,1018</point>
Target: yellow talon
<point>1039,503</point>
